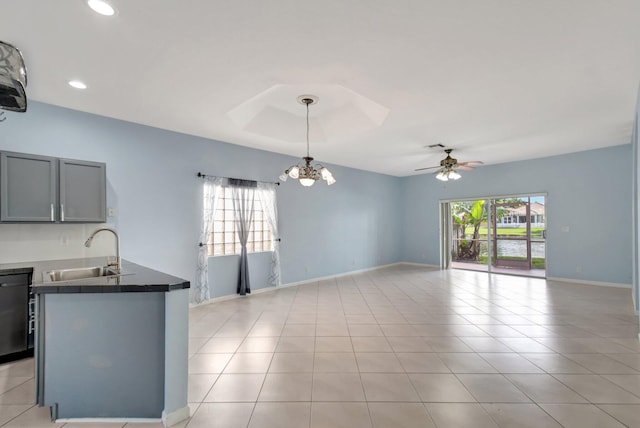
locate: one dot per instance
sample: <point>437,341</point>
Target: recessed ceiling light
<point>77,84</point>
<point>101,7</point>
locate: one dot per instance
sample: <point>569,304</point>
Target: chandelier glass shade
<point>308,173</point>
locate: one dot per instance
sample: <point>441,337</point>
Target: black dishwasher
<point>14,311</point>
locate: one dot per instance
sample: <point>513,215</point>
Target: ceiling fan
<point>449,165</point>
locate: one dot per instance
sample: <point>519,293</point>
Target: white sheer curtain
<point>267,197</point>
<point>212,191</point>
<point>243,203</point>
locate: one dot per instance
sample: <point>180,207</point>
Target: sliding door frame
<point>445,235</point>
<point>446,227</point>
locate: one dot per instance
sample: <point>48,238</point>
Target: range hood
<point>13,79</point>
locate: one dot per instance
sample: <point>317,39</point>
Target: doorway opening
<point>495,234</point>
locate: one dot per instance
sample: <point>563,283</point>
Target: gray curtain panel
<point>243,193</point>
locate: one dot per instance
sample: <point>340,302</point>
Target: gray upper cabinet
<point>28,187</point>
<point>83,195</point>
<point>44,189</point>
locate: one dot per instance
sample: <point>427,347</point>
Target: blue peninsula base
<point>122,355</point>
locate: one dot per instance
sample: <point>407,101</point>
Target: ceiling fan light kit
<point>307,173</point>
<point>448,167</point>
<point>446,175</point>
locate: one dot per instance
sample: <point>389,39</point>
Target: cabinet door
<point>83,191</point>
<point>27,187</point>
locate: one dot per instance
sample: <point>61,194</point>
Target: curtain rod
<point>201,175</point>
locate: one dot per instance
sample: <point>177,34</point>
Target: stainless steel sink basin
<point>79,273</point>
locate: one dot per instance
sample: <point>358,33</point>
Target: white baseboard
<point>581,281</point>
<point>216,300</point>
<point>172,418</point>
<point>424,265</point>
<point>167,420</point>
<point>292,284</point>
<point>71,421</point>
<point>419,264</point>
<point>234,296</point>
<point>339,275</point>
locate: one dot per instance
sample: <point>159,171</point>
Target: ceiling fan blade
<point>429,167</point>
<point>471,163</point>
<point>465,167</point>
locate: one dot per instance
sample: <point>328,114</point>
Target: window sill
<point>238,255</point>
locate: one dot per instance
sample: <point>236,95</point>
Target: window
<point>224,240</point>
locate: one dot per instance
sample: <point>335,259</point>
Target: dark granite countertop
<point>134,277</point>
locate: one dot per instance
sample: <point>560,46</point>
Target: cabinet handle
<point>61,212</point>
<point>52,213</point>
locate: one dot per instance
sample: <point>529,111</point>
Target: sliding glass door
<point>469,245</point>
<point>495,234</point>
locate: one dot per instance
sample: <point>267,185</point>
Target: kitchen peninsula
<point>110,346</point>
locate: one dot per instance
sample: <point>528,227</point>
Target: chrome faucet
<point>108,229</point>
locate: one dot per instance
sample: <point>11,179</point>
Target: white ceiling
<point>497,80</point>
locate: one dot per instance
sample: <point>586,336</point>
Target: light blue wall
<point>364,220</point>
<point>588,191</point>
<point>360,220</point>
<point>224,272</point>
<point>152,184</point>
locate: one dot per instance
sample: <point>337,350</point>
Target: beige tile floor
<point>401,347</point>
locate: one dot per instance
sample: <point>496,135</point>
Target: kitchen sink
<point>79,273</point>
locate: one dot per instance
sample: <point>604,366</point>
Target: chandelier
<point>308,174</point>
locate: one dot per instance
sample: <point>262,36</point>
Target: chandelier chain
<point>307,104</point>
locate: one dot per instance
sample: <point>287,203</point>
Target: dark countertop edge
<point>16,271</point>
<point>53,288</point>
<point>135,278</point>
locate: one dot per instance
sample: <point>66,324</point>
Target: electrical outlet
<point>112,212</point>
<point>565,228</point>
<point>578,269</point>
